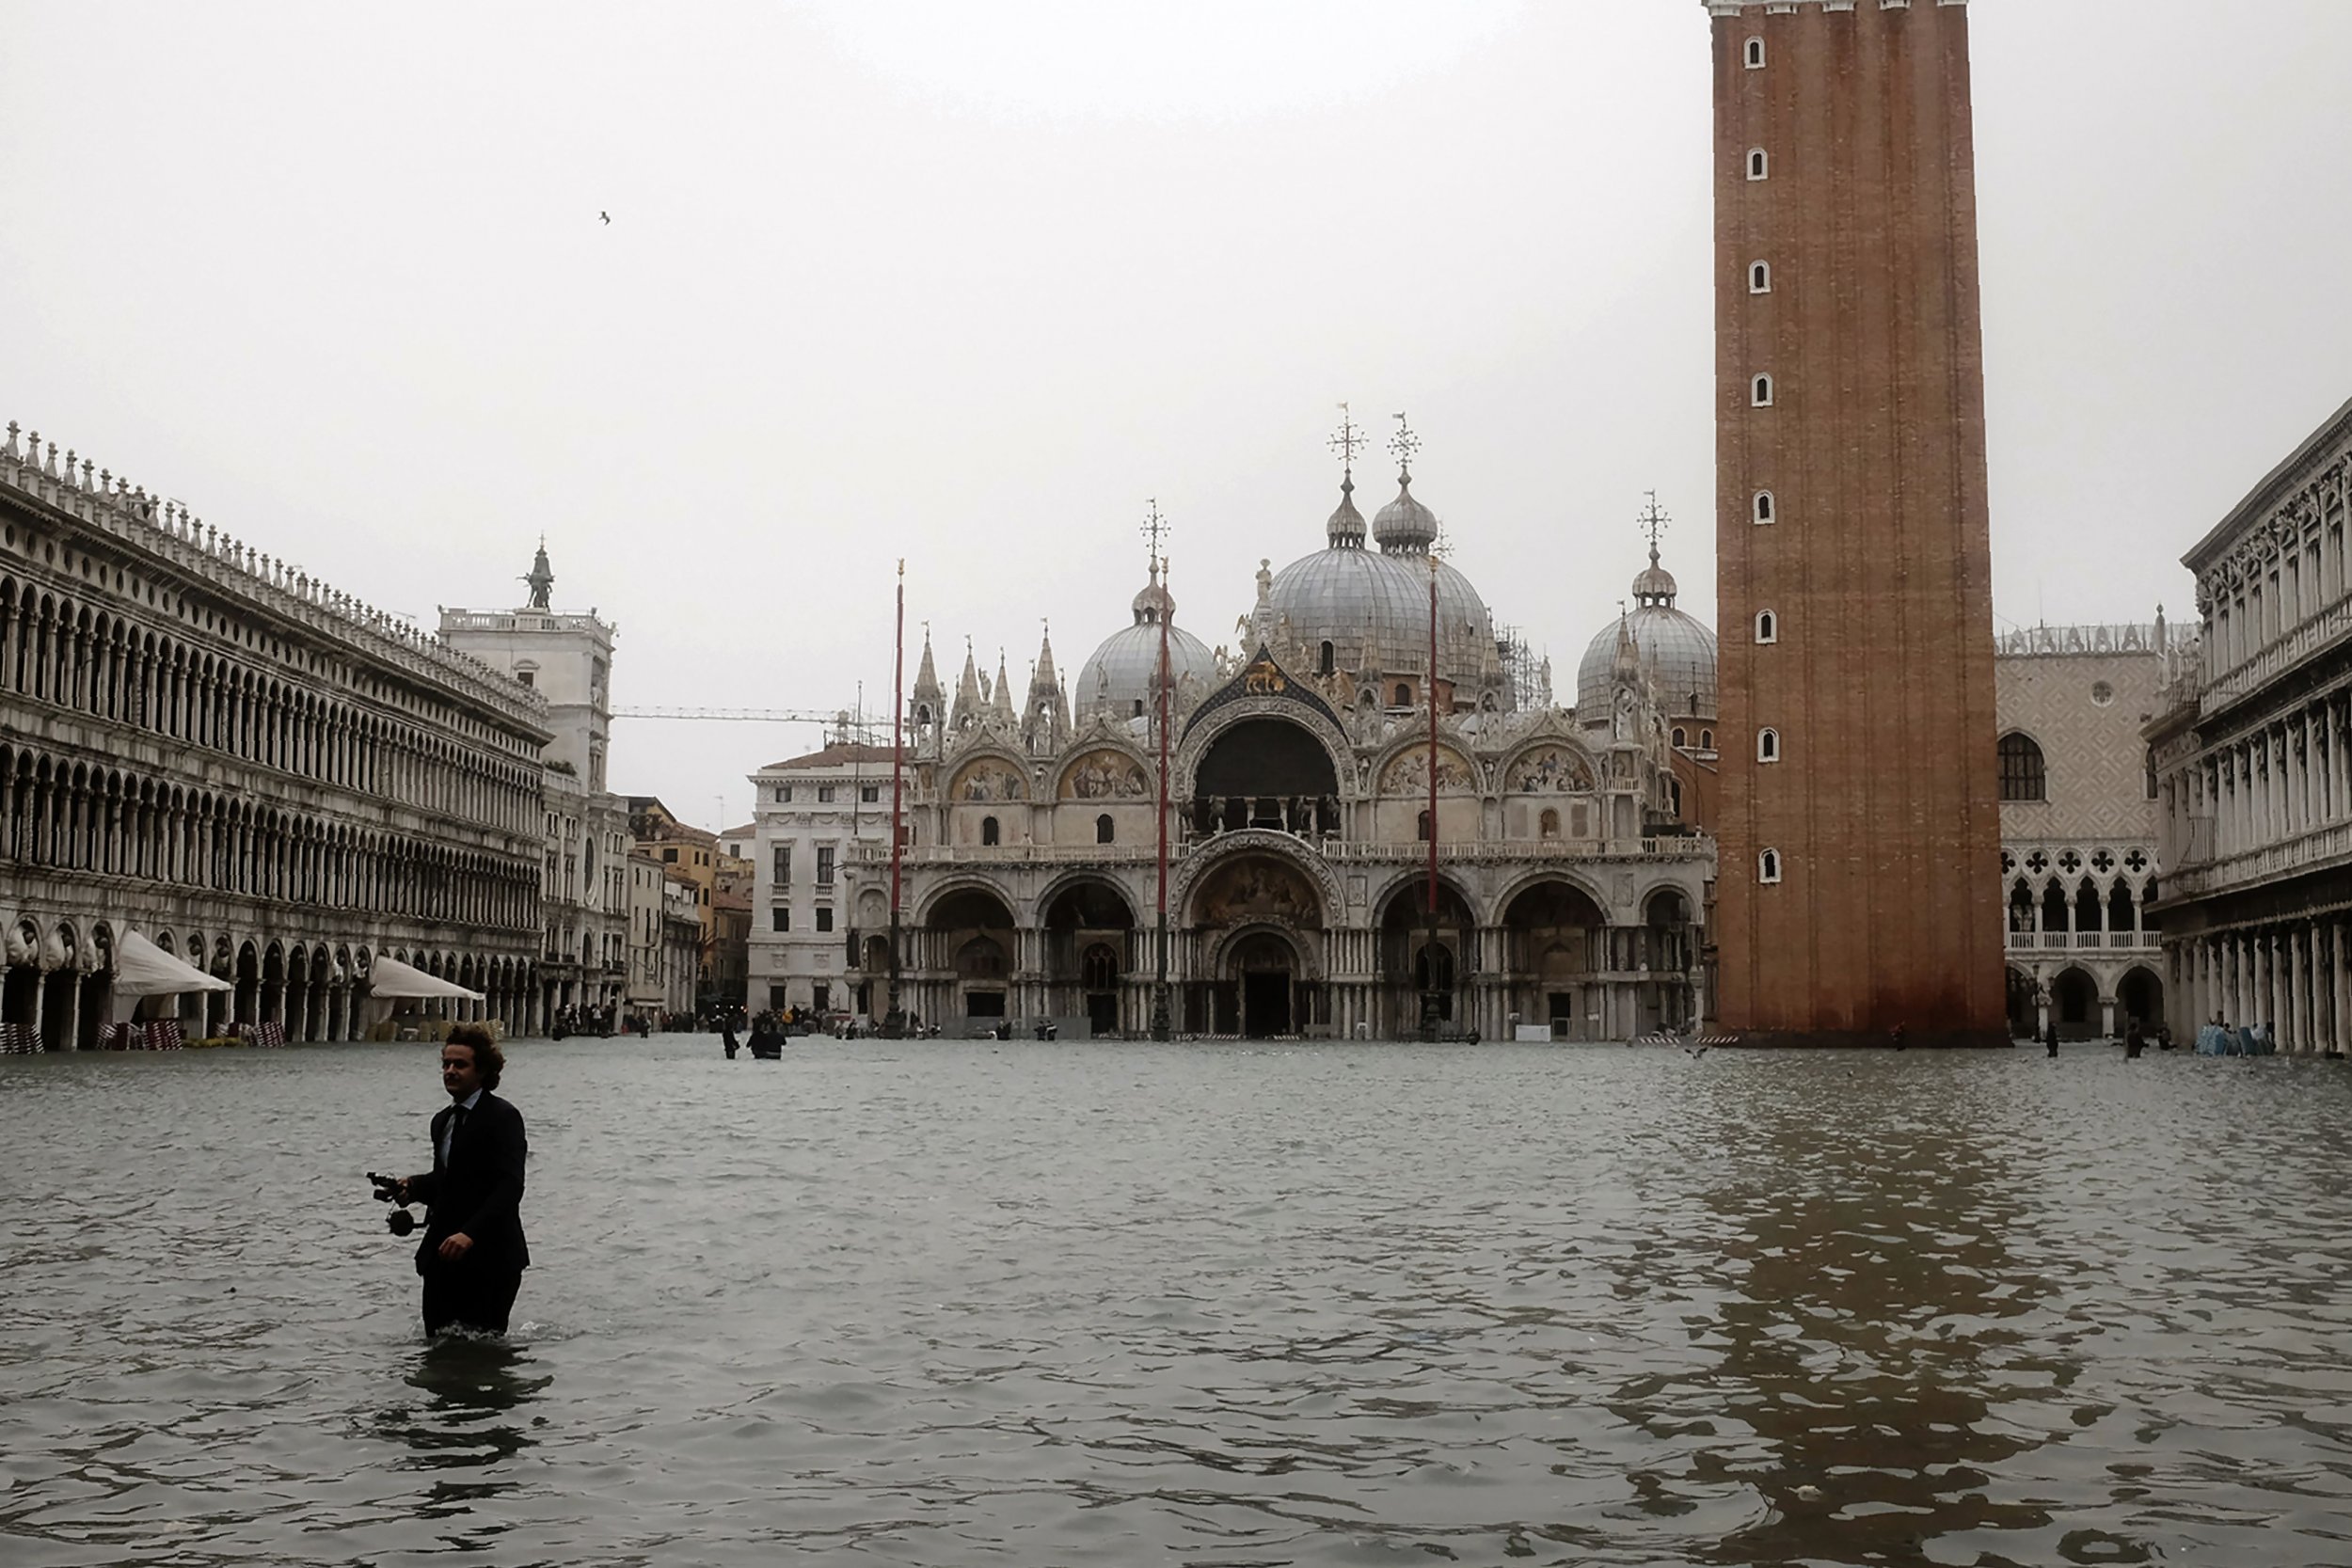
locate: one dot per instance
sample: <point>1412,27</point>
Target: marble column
<point>2273,1011</point>
<point>2340,989</point>
<point>2296,1034</point>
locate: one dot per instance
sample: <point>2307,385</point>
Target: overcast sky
<point>967,283</point>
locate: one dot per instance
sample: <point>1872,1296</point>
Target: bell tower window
<point>1759,166</point>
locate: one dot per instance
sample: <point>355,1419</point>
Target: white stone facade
<point>647,990</point>
<point>2254,761</point>
<point>813,818</point>
<point>1569,897</point>
<point>681,943</point>
<point>565,658</point>
<point>260,774</point>
<point>2080,854</point>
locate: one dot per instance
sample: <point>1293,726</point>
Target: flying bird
<point>607,217</point>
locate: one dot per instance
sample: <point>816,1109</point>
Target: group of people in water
<point>767,1031</point>
<point>2136,1038</point>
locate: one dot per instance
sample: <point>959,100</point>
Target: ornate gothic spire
<point>926,688</point>
<point>1001,694</point>
<point>967,691</point>
<point>1045,722</point>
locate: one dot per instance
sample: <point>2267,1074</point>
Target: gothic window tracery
<point>2023,774</point>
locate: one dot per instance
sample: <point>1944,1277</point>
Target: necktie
<point>456,1120</point>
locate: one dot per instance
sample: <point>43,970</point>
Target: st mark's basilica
<point>1573,867</point>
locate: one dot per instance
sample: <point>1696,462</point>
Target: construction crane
<point>840,722</point>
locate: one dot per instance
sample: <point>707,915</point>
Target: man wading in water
<point>473,1255</point>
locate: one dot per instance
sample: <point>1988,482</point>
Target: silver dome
<point>1677,651</point>
<point>1375,606</point>
<point>1119,674</point>
<point>1405,523</point>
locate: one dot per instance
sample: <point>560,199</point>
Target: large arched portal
<point>1262,970</point>
<point>248,1008</point>
<point>2075,995</point>
<point>969,935</point>
<point>61,993</point>
<point>2142,997</point>
<point>2025,1005</point>
<point>1259,922</point>
<point>1407,956</point>
<point>1266,773</point>
<point>1554,960</point>
<point>20,992</point>
<point>1089,931</point>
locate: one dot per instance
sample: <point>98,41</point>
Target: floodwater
<point>1033,1304</point>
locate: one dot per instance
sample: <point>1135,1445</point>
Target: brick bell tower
<point>1859,889</point>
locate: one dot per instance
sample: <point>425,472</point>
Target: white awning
<point>143,968</point>
<point>389,977</point>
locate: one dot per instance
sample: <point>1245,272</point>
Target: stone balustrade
<point>2303,852</point>
<point>165,528</point>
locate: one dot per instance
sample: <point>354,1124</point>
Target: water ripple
<point>1224,1307</point>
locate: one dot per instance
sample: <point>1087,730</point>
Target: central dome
<point>1346,609</point>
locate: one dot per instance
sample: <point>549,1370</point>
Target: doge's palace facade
<point>262,775</point>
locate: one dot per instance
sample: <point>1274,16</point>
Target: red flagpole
<point>1431,1001</point>
<point>1163,1027</point>
<point>1432,745</point>
<point>894,1019</point>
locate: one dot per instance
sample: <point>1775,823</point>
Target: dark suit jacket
<point>478,1191</point>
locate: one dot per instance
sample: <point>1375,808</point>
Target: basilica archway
<point>1406,956</point>
<point>1259,981</point>
<point>1266,772</point>
<point>1089,930</point>
<point>1554,960</point>
<point>1254,895</point>
<point>969,934</point>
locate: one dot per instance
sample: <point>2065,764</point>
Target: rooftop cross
<point>1349,440</point>
<point>1654,522</point>
<point>1154,530</point>
<point>1402,445</point>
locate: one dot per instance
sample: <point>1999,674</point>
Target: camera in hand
<point>400,1222</point>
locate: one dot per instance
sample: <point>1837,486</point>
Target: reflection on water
<point>470,1416</point>
<point>933,1304</point>
<point>1874,1328</point>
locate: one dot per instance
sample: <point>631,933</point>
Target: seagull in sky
<point>607,217</point>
